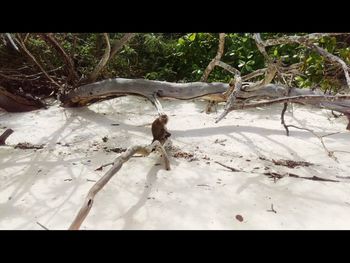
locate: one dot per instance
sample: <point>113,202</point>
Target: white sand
<point>49,185</point>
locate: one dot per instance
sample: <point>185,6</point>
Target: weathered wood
<point>217,58</point>
<point>117,164</point>
<point>112,88</point>
<point>5,135</point>
<point>103,61</point>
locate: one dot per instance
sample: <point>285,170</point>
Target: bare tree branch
<point>50,39</point>
<point>27,52</point>
<point>117,164</point>
<point>261,46</point>
<point>298,39</point>
<point>218,56</point>
<point>94,74</point>
<point>5,135</point>
<point>307,41</point>
<point>120,43</point>
<point>320,137</point>
<point>232,98</point>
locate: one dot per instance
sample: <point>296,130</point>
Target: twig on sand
<point>42,226</point>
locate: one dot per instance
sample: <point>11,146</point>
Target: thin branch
<point>218,56</point>
<point>298,39</point>
<point>228,167</point>
<point>285,105</point>
<point>50,39</point>
<point>228,68</point>
<point>298,99</point>
<point>120,43</point>
<point>27,52</point>
<point>232,98</point>
<point>117,164</point>
<point>254,74</point>
<point>330,153</point>
<point>261,45</point>
<point>42,226</point>
<point>307,41</point>
<point>11,41</point>
<point>94,74</point>
<point>5,135</point>
<point>334,58</point>
<point>103,165</point>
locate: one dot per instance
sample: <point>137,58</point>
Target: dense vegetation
<point>175,57</point>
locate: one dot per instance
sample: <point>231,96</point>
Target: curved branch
<point>117,164</point>
<point>27,52</point>
<point>50,39</point>
<point>120,43</point>
<point>94,74</point>
<point>217,58</point>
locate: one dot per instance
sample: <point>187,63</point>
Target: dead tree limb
<point>230,68</point>
<point>285,105</point>
<point>111,88</point>
<point>298,39</point>
<point>5,135</point>
<point>51,40</point>
<point>261,46</point>
<point>307,41</point>
<point>302,99</point>
<point>320,137</point>
<point>336,59</point>
<point>218,56</point>
<point>120,43</point>
<point>117,164</point>
<point>232,98</point>
<point>30,55</point>
<point>103,61</point>
<point>229,167</point>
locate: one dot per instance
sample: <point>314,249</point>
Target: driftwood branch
<point>120,43</point>
<point>261,46</point>
<point>217,58</point>
<point>303,99</point>
<point>117,164</point>
<point>232,98</point>
<point>111,88</point>
<point>5,135</point>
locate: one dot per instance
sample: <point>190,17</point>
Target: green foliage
<point>184,56</point>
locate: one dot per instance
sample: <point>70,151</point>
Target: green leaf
<point>192,37</point>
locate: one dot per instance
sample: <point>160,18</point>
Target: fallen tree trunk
<point>112,88</point>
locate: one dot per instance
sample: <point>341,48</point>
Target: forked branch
<point>117,164</point>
